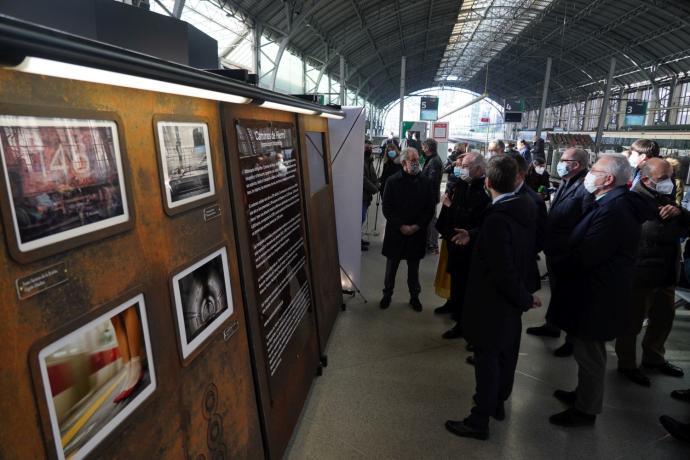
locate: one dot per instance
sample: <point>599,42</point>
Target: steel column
<point>403,63</point>
<point>604,106</point>
<point>256,49</point>
<point>545,94</point>
<point>343,83</point>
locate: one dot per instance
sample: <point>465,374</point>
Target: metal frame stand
<point>350,292</point>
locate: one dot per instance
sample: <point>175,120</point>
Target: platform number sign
<point>428,108</point>
<point>635,113</point>
<point>512,110</point>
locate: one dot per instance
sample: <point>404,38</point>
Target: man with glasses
<point>409,202</point>
<point>567,208</point>
<point>595,288</point>
<point>656,275</point>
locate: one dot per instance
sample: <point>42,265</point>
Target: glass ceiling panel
<point>483,28</point>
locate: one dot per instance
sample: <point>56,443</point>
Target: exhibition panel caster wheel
<point>324,360</point>
<point>343,307</point>
<point>319,370</point>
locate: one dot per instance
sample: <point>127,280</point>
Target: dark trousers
<point>590,356</point>
<point>458,289</point>
<point>412,277</point>
<point>494,371</point>
<point>658,304</point>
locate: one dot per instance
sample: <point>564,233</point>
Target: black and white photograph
<point>63,178</point>
<point>185,159</point>
<point>94,377</point>
<point>203,300</point>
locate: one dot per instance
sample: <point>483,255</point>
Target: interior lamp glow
<point>40,66</point>
<point>330,115</point>
<point>287,108</point>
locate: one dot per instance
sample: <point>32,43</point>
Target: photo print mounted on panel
<point>63,182</point>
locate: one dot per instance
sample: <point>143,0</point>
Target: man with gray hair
<point>593,296</point>
<point>409,203</point>
<point>496,147</point>
<point>462,211</point>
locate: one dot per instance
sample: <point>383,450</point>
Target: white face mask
<point>634,159</point>
<point>589,182</point>
<point>540,170</point>
<point>664,187</point>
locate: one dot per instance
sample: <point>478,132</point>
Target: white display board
<point>346,139</point>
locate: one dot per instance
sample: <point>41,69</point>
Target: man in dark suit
<point>594,292</point>
<point>408,206</point>
<point>497,295</point>
<point>464,211</point>
<point>567,208</point>
<point>540,207</point>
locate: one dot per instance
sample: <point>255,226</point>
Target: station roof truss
<point>498,45</point>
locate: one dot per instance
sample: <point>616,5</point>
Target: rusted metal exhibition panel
<point>321,223</point>
<point>265,170</point>
<point>131,344</point>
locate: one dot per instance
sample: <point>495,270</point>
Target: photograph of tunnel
<point>63,177</point>
<point>203,300</point>
<point>186,165</point>
<point>96,376</point>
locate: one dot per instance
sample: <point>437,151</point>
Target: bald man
<point>655,276</point>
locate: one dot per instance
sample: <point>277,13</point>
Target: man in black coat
<point>408,205</point>
<point>497,295</point>
<point>568,205</point>
<point>656,274</point>
<point>432,170</point>
<point>534,283</point>
<point>464,211</point>
<point>594,293</point>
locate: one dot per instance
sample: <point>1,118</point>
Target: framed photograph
<point>185,164</point>
<point>203,301</point>
<point>63,180</point>
<point>91,379</point>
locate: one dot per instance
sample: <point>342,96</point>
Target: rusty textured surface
<point>322,236</point>
<point>280,399</point>
<point>174,422</point>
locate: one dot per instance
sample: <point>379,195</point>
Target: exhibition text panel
<point>270,177</point>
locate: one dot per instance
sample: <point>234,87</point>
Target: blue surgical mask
<point>391,154</point>
<point>562,168</point>
<point>457,171</point>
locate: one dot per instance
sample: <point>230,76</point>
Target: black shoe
<point>470,360</point>
<point>544,331</point>
<point>666,368</point>
<point>572,417</point>
<point>385,302</point>
<point>364,248</point>
<point>444,309</point>
<point>681,395</point>
<point>636,376</point>
<point>566,397</point>
<point>675,428</point>
<point>564,350</point>
<point>499,414</point>
<point>469,347</point>
<point>465,430</point>
<point>453,333</point>
<point>416,304</point>
<point>365,243</point>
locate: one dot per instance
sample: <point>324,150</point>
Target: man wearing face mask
<point>594,293</point>
<point>656,275</point>
<point>462,211</point>
<point>640,151</point>
<point>458,150</point>
<point>370,185</point>
<point>567,208</point>
<point>538,179</point>
<point>408,206</point>
<point>432,170</point>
